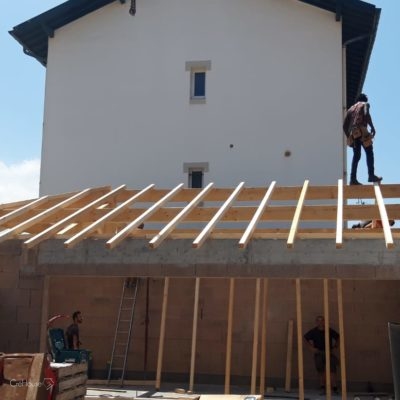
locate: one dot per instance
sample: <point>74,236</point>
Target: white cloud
<point>19,181</point>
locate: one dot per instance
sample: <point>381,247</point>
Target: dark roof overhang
<point>359,27</point>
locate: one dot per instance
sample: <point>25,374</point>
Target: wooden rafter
<point>339,218</point>
<point>242,213</point>
<point>84,232</point>
<point>121,235</point>
<point>257,216</point>
<point>384,218</point>
<point>210,226</point>
<point>297,215</point>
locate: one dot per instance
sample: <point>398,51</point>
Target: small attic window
<point>198,76</point>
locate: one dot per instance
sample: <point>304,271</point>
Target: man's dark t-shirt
<point>72,330</point>
<point>318,338</point>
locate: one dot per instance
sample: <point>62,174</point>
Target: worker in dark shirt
<point>73,331</point>
<point>315,339</point>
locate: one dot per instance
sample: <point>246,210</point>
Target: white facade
<point>118,109</point>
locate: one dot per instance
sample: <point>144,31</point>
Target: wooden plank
<point>384,218</point>
<point>41,216</point>
<point>64,370</point>
<point>86,231</point>
<point>122,234</point>
<point>229,337</point>
<point>71,382</point>
<point>58,225</point>
<point>257,216</point>
<point>210,226</point>
<point>297,215</point>
<point>327,343</point>
<point>72,393</point>
<point>157,240</point>
<point>289,355</point>
<point>255,336</point>
<point>162,333</point>
<point>45,314</point>
<point>299,339</point>
<point>22,210</point>
<point>339,218</point>
<point>341,339</point>
<point>194,333</point>
<point>264,336</point>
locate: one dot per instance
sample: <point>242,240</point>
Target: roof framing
<point>359,25</point>
<point>272,212</point>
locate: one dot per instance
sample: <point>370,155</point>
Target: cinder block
<point>34,331</point>
<point>29,315</point>
<point>8,280</point>
<point>31,282</point>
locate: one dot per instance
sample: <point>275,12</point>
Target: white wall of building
<point>117,106</point>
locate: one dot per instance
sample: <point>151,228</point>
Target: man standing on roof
<point>355,127</point>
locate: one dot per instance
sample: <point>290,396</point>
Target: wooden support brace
<point>299,339</point>
<point>289,353</point>
<point>341,339</point>
<point>297,215</point>
<point>229,336</point>
<point>162,333</point>
<point>264,336</point>
<point>255,336</point>
<point>339,218</point>
<point>194,333</point>
<point>327,343</point>
<point>20,211</point>
<point>257,216</point>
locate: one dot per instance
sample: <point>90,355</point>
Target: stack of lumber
<point>71,381</point>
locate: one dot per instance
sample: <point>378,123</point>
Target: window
<point>196,178</point>
<point>198,71</point>
<point>198,84</point>
<point>195,173</point>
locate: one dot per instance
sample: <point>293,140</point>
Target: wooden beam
<point>264,336</point>
<point>6,234</point>
<point>255,337</point>
<point>58,225</point>
<point>229,336</point>
<point>327,343</point>
<point>194,332</point>
<point>45,314</point>
<point>384,218</point>
<point>21,210</point>
<point>299,339</point>
<point>92,227</point>
<point>341,339</point>
<point>289,354</point>
<point>122,234</point>
<point>297,215</point>
<point>339,218</point>
<point>257,216</point>
<point>210,226</point>
<point>157,240</point>
<point>162,333</point>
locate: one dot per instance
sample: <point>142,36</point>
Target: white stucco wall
<point>117,104</point>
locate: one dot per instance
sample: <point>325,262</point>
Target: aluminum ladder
<point>123,330</point>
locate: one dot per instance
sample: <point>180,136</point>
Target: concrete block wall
<point>20,301</point>
<point>368,307</point>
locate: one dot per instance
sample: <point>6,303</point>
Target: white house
<point>197,91</point>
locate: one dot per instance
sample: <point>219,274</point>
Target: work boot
<point>374,178</point>
<point>354,182</point>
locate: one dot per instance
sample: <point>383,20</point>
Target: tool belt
<point>361,133</point>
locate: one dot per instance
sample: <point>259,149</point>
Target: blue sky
<point>22,95</point>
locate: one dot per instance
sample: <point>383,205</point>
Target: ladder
<point>123,330</point>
